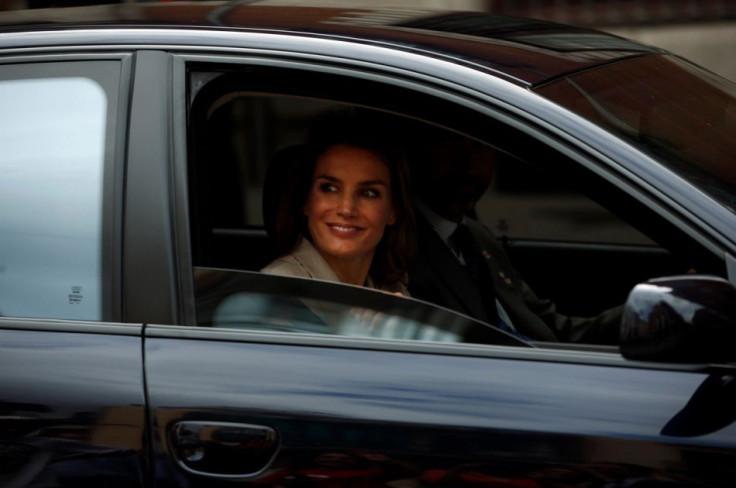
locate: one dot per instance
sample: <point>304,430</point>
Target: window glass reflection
<point>680,114</point>
<point>259,311</point>
<point>52,145</point>
<point>263,302</point>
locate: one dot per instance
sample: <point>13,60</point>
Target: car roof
<point>525,51</point>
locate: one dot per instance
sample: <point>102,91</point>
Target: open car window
<point>573,237</point>
<point>259,301</point>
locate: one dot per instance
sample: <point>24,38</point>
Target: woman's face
<point>349,203</point>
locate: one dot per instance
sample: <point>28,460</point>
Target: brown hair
<point>358,128</point>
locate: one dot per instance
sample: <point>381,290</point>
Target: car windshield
<point>682,115</point>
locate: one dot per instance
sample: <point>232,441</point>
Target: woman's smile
<point>344,229</point>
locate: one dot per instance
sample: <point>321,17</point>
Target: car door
<point>266,399</point>
<point>258,397</point>
<point>71,393</point>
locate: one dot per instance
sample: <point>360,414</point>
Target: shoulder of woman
<point>286,266</point>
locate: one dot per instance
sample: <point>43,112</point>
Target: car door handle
<point>222,449</point>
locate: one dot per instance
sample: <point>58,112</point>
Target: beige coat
<point>306,262</point>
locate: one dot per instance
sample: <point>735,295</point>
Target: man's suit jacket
<point>439,277</point>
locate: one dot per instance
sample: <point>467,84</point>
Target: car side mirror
<point>682,319</point>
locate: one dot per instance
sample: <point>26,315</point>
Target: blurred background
<point>703,31</point>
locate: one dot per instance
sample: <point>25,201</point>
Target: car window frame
<point>464,99</point>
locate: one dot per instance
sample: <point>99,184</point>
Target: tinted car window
<point>680,114</point>
<point>53,132</point>
<point>524,202</point>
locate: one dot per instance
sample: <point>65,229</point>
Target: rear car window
<point>53,140</point>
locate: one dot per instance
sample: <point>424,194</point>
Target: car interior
<point>572,235</point>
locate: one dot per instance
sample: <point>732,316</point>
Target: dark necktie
<point>475,264</point>
<point>477,268</point>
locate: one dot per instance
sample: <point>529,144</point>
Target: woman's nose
<point>347,206</point>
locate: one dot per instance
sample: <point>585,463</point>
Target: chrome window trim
<point>73,326</point>
<point>44,57</point>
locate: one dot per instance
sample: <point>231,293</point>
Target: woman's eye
<point>371,193</point>
<point>327,188</point>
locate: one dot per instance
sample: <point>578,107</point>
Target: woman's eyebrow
<point>328,178</point>
<point>335,179</point>
<point>372,183</point>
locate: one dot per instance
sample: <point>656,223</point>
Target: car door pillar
<point>148,251</point>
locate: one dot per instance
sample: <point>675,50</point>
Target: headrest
<point>282,178</point>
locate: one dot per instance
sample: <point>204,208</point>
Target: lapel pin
<point>504,278</point>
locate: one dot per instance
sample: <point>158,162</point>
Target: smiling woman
<point>349,218</point>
